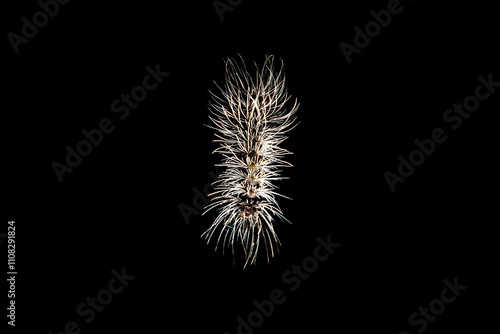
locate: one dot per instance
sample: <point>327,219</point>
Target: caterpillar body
<point>250,119</point>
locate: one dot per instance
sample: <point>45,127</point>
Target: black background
<point>120,206</point>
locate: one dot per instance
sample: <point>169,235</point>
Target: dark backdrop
<point>121,207</point>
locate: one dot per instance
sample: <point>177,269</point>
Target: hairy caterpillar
<point>250,119</point>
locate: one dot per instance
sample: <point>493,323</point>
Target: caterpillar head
<point>249,207</point>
